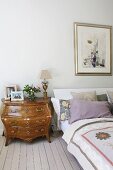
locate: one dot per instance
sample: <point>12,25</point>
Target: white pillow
<point>56,105</point>
<point>56,102</point>
<point>91,96</point>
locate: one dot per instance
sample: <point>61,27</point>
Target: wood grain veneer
<point>26,120</point>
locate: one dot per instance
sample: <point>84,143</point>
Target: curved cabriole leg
<point>3,134</point>
<point>48,138</point>
<point>7,141</point>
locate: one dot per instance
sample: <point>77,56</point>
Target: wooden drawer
<point>29,111</point>
<point>26,122</point>
<point>12,131</point>
<point>13,111</point>
<point>20,132</point>
<point>31,132</point>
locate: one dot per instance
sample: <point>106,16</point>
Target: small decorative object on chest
<point>31,91</point>
<point>26,119</point>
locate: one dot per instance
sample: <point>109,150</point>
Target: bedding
<point>91,142</point>
<point>65,94</point>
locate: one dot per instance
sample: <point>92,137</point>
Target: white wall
<point>38,34</point>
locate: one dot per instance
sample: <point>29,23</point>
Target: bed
<point>90,140</point>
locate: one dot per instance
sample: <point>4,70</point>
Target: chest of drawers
<point>26,120</point>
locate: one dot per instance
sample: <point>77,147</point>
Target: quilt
<point>91,142</point>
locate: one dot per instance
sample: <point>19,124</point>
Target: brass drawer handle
<point>13,123</point>
<point>39,109</point>
<point>41,130</point>
<point>40,121</point>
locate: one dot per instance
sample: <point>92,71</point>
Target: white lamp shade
<point>45,74</point>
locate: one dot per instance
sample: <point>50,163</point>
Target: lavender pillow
<point>81,109</point>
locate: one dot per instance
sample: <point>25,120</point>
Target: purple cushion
<point>81,109</point>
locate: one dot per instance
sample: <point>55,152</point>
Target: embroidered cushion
<point>64,109</point>
<point>61,108</point>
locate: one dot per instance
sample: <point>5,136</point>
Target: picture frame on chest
<point>8,90</point>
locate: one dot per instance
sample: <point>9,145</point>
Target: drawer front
<point>12,131</point>
<point>20,132</point>
<point>31,132</point>
<point>27,111</point>
<point>35,122</point>
<point>26,122</point>
<point>39,110</point>
<point>10,122</point>
<point>13,111</point>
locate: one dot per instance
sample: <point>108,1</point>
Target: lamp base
<point>45,86</point>
<point>45,94</point>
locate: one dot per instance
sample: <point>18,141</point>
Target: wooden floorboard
<point>50,156</point>
<point>38,155</point>
<point>16,156</point>
<point>37,159</point>
<point>1,142</point>
<point>58,160</point>
<point>22,160</point>
<point>3,155</point>
<point>43,156</point>
<point>75,165</point>
<point>9,157</point>
<point>63,156</point>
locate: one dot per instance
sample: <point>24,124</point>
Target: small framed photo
<point>8,90</point>
<point>17,96</point>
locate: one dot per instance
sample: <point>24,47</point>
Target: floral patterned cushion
<point>64,109</point>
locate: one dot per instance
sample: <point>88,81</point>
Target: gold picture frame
<point>92,49</point>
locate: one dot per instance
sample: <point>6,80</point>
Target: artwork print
<point>93,53</point>
<point>92,49</point>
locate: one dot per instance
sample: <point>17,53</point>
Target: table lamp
<point>45,75</point>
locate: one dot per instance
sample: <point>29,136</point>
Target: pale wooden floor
<point>38,155</point>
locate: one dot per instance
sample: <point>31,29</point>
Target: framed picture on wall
<point>92,48</point>
<point>8,90</point>
<point>17,96</point>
